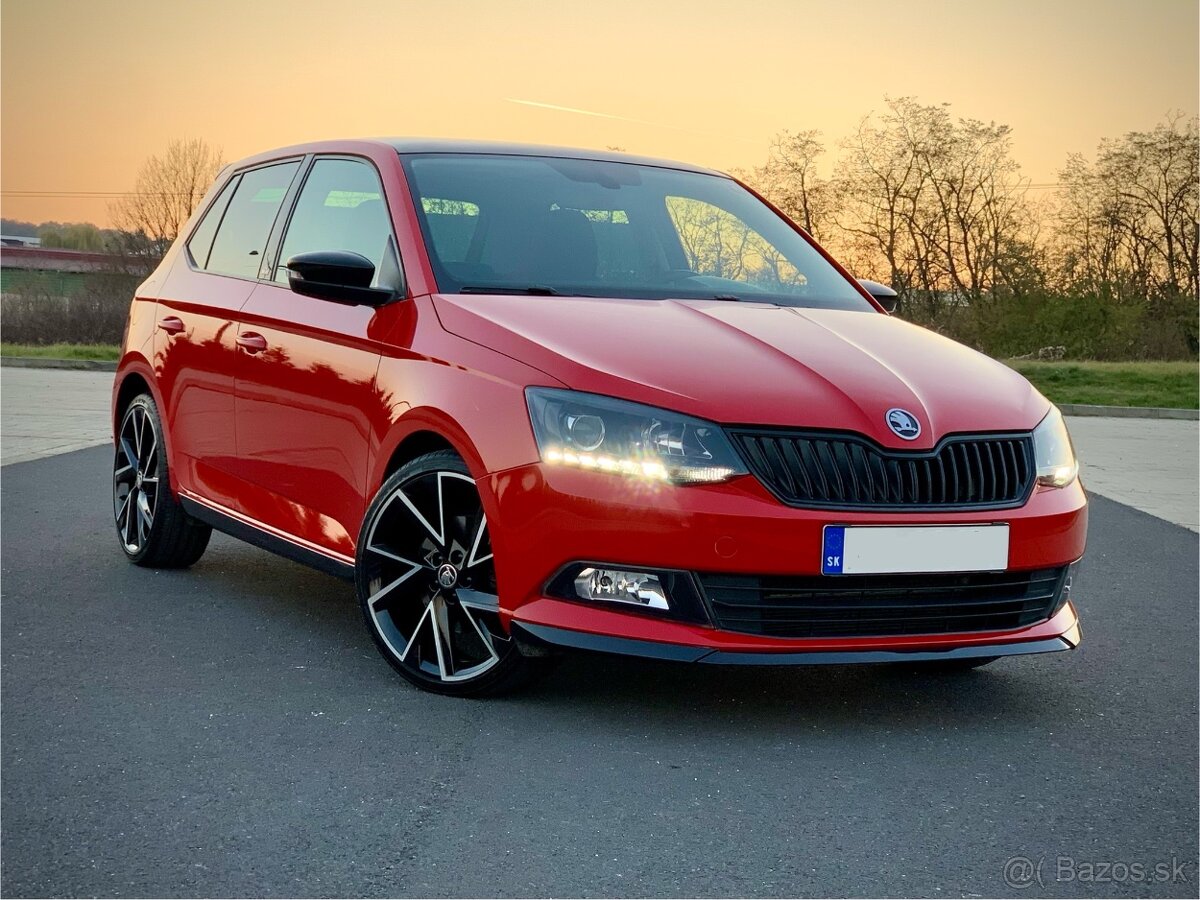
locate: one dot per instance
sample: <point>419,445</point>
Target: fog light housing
<point>620,586</point>
<point>1070,582</point>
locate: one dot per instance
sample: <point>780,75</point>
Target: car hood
<point>754,363</point>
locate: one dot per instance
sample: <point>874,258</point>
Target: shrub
<point>96,314</point>
<point>1086,326</point>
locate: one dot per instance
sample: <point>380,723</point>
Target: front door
<point>306,392</point>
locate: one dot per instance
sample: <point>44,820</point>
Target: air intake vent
<point>878,605</point>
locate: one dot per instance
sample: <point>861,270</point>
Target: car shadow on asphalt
<point>837,696</point>
<point>616,689</point>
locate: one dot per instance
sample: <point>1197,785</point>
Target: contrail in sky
<point>602,115</point>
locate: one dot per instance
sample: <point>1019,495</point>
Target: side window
<point>717,243</point>
<point>200,243</point>
<point>340,207</point>
<point>242,236</point>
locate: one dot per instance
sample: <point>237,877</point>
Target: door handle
<point>171,324</point>
<point>252,342</point>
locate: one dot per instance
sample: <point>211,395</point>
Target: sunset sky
<point>91,88</point>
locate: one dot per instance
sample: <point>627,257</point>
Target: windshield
<point>549,225</point>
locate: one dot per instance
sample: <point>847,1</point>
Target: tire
<point>427,584</point>
<point>152,528</point>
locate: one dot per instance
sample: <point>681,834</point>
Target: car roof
<point>501,148</point>
<point>415,145</point>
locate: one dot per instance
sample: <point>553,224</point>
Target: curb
<point>40,362</point>
<point>1128,412</point>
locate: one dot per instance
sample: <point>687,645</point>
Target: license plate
<point>888,549</point>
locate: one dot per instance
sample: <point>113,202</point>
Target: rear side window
<point>242,235</point>
<point>200,243</point>
<point>340,207</point>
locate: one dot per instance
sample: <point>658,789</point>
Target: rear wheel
<point>153,528</point>
<point>427,584</point>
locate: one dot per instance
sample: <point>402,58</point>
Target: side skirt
<point>244,531</point>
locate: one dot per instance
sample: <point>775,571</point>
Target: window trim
<point>291,201</point>
<point>238,173</point>
<point>229,183</point>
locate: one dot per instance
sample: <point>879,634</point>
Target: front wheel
<point>427,584</point>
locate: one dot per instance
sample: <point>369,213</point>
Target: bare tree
<point>933,205</point>
<point>1127,224</point>
<point>789,178</point>
<point>166,191</point>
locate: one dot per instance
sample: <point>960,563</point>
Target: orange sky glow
<point>89,89</point>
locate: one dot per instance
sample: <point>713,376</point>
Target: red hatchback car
<point>530,398</point>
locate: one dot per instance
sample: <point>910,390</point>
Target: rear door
<point>306,391</point>
<point>195,342</point>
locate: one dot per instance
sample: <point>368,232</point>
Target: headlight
<point>588,431</point>
<point>1053,451</point>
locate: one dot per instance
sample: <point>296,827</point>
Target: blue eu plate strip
<point>832,550</point>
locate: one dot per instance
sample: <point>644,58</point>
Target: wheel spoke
<point>130,454</point>
<point>375,548</point>
<point>416,631</point>
<point>441,625</point>
<point>123,510</point>
<point>377,598</point>
<point>145,515</point>
<point>478,600</point>
<point>149,455</point>
<point>137,430</point>
<point>125,475</point>
<point>473,559</point>
<point>130,516</point>
<point>438,536</point>
<point>484,635</point>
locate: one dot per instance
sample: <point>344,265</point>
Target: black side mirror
<point>884,295</point>
<point>337,275</point>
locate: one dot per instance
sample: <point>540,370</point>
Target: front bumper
<point>555,516</point>
<point>546,635</point>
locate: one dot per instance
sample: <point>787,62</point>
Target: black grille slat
<point>796,464</point>
<point>872,605</point>
<point>779,464</point>
<point>999,478</point>
<point>849,471</point>
<point>864,463</point>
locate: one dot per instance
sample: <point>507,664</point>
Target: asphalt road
<point>231,731</point>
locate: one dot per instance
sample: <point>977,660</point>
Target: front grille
<point>847,471</point>
<point>816,606</point>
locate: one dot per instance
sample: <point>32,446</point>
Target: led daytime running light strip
<point>649,469</point>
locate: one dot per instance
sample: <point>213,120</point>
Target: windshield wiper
<point>537,290</point>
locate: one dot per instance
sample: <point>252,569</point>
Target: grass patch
<point>1168,384</point>
<point>106,352</point>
